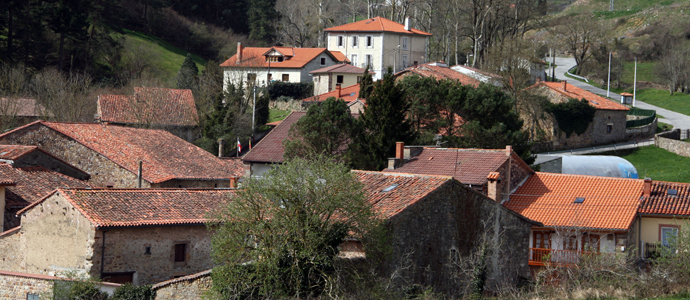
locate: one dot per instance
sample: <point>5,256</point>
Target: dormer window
<point>274,58</point>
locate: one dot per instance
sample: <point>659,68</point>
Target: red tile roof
<point>409,190</point>
<point>48,277</point>
<point>270,148</point>
<point>662,203</point>
<point>154,106</point>
<point>377,24</point>
<point>440,73</point>
<point>34,183</point>
<point>574,92</point>
<point>340,68</point>
<point>348,94</point>
<point>296,58</point>
<point>164,155</point>
<point>609,203</point>
<point>181,279</point>
<point>13,152</point>
<point>145,207</point>
<point>469,166</point>
<point>23,107</point>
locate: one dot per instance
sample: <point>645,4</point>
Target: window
<point>609,128</point>
<point>353,59</point>
<point>370,61</point>
<point>359,78</point>
<point>339,79</point>
<point>147,250</point>
<point>269,77</point>
<point>370,41</point>
<point>404,43</point>
<point>668,234</point>
<point>251,77</point>
<point>274,58</point>
<point>570,243</point>
<point>180,252</point>
<point>323,61</point>
<point>590,242</point>
<point>541,240</point>
<point>340,41</point>
<point>30,296</point>
<point>355,41</point>
<point>404,61</point>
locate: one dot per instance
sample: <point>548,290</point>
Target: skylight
<point>390,188</point>
<point>672,192</point>
<point>579,200</point>
<point>595,102</point>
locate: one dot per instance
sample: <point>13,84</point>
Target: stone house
<point>664,211</point>
<point>188,287</point>
<point>435,223</point>
<point>173,110</point>
<point>472,167</point>
<point>327,79</point>
<point>580,214</point>
<point>256,66</point>
<point>20,156</point>
<point>379,43</point>
<point>438,70</point>
<point>143,236</point>
<point>31,184</point>
<point>111,154</point>
<point>608,126</point>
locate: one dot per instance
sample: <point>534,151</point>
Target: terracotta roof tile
<point>34,183</point>
<point>440,73</point>
<point>662,202</point>
<point>493,176</point>
<point>181,279</point>
<point>164,155</point>
<point>14,152</point>
<point>377,24</point>
<point>574,92</point>
<point>253,57</point>
<point>340,68</point>
<point>348,94</point>
<point>469,166</point>
<point>609,203</point>
<point>270,148</point>
<point>146,207</point>
<point>405,190</point>
<point>155,106</point>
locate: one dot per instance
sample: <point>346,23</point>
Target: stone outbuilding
<point>436,224</point>
<point>20,156</point>
<point>188,287</point>
<point>143,236</point>
<point>111,154</point>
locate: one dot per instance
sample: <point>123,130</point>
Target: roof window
<point>390,188</point>
<point>579,200</point>
<point>672,192</point>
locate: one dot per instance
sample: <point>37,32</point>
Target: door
<point>541,245</point>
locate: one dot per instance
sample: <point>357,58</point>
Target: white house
<point>379,43</point>
<point>326,79</point>
<point>259,65</point>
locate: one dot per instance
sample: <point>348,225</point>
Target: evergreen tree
<point>366,85</point>
<point>187,76</point>
<point>262,14</point>
<point>69,19</point>
<point>262,110</point>
<point>383,123</point>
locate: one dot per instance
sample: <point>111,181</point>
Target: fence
<point>650,116</point>
<point>656,250</point>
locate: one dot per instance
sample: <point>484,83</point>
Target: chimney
<point>399,159</point>
<point>239,53</point>
<point>506,185</point>
<point>399,150</point>
<point>337,88</point>
<point>493,189</point>
<point>139,175</point>
<point>647,190</point>
<point>233,182</point>
<point>221,142</point>
<point>564,83</point>
<point>407,23</point>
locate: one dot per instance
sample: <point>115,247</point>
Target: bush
<point>572,116</point>
<point>294,90</point>
<point>129,291</point>
<point>78,290</point>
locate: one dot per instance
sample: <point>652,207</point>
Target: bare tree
<point>674,66</point>
<point>578,35</point>
<point>67,97</point>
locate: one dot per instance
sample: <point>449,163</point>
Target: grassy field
<point>277,115</point>
<point>677,102</point>
<point>646,71</point>
<point>659,164</point>
<point>167,57</point>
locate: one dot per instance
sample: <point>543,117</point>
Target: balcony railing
<point>541,257</point>
<point>656,250</point>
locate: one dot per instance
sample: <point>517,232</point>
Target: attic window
<point>579,200</point>
<point>672,192</point>
<point>594,102</point>
<point>390,188</point>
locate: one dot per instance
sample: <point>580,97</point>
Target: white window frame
<point>369,61</point>
<point>340,41</point>
<point>665,236</point>
<point>354,60</point>
<point>404,61</point>
<point>369,41</point>
<point>405,43</point>
<point>355,41</point>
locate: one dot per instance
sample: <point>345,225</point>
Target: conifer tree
<point>262,14</point>
<point>187,76</point>
<point>366,85</point>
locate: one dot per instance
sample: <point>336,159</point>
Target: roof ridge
<point>446,177</point>
<point>586,176</point>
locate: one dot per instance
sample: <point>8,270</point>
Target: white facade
<point>260,75</point>
<point>380,49</point>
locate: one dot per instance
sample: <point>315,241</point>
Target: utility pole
<point>608,82</point>
<point>611,6</point>
<point>553,65</point>
<point>635,83</point>
<point>253,110</point>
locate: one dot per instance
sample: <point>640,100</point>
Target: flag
<point>250,143</point>
<point>239,146</point>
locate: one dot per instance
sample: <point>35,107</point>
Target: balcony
<point>541,257</point>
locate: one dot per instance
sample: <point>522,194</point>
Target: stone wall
<point>189,287</point>
<point>431,240</point>
<point>126,251</point>
<point>39,158</point>
<point>671,142</point>
<point>102,170</point>
<point>642,131</point>
<point>11,252</point>
<point>286,105</point>
<point>18,286</point>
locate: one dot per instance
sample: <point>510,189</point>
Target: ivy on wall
<point>572,116</point>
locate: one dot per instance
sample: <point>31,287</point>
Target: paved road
<point>676,119</point>
<point>606,148</point>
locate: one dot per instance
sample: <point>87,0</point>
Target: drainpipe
<point>103,254</point>
<point>139,176</point>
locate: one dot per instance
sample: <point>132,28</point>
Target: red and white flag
<point>239,146</point>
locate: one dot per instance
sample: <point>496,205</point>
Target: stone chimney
<point>338,89</point>
<point>407,23</point>
<point>564,83</point>
<point>399,159</point>
<point>647,188</point>
<point>233,182</point>
<point>494,188</point>
<point>221,143</point>
<point>239,53</point>
<point>506,184</point>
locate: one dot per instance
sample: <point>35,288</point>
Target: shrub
<point>129,291</point>
<point>294,90</point>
